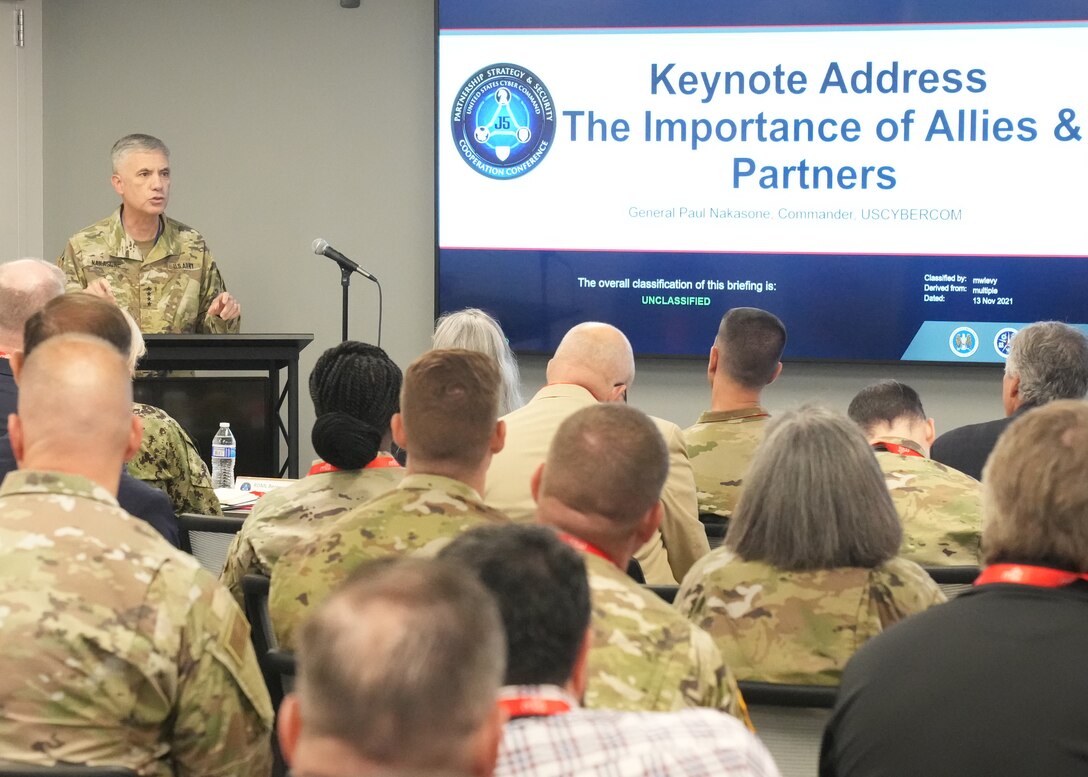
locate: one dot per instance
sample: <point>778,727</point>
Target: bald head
<point>597,357</point>
<point>75,410</point>
<point>25,286</point>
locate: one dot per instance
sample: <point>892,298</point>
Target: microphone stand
<point>345,282</point>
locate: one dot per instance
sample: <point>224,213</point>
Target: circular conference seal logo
<point>503,121</point>
<point>963,341</point>
<point>1003,341</point>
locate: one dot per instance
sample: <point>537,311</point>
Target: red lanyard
<point>533,706</point>
<point>380,462</point>
<point>894,447</point>
<point>1042,577</point>
<point>584,547</point>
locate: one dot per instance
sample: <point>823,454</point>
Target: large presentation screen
<point>900,180</point>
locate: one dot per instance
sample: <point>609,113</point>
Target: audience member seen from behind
<point>744,360</point>
<point>940,507</point>
<point>543,594</point>
<point>992,682</point>
<point>25,286</point>
<point>355,388</point>
<point>118,649</point>
<point>809,570</point>
<point>1047,361</point>
<point>594,364</point>
<point>398,673</point>
<point>600,487</point>
<point>474,330</point>
<point>167,459</point>
<point>449,420</point>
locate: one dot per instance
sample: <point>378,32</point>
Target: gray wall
<point>292,120</point>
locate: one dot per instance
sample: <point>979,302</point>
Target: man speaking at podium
<point>157,269</point>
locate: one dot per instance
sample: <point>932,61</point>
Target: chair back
<point>790,719</point>
<point>63,770</point>
<point>278,666</point>
<point>666,592</point>
<point>208,537</point>
<point>715,527</point>
<point>953,581</point>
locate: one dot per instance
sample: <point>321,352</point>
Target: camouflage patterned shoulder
<point>644,655</point>
<point>907,588</point>
<point>721,446</point>
<point>422,514</point>
<point>941,510</point>
<point>795,627</point>
<point>152,615</point>
<point>286,517</point>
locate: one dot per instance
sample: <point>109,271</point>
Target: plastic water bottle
<point>224,451</point>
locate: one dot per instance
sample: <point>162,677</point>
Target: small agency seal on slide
<point>503,121</point>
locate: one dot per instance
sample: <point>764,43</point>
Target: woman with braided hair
<point>355,388</point>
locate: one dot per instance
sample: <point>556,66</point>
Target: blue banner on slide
<point>850,308</point>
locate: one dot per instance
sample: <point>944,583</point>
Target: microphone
<point>322,248</point>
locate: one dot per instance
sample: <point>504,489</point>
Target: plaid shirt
<point>692,742</point>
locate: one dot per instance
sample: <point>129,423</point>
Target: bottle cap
<point>223,424</point>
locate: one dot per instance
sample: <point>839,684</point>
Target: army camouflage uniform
<point>421,515</point>
<point>169,291</point>
<point>721,445</point>
<point>168,461</point>
<point>798,627</point>
<point>118,649</point>
<point>286,517</point>
<point>645,656</point>
<point>940,508</point>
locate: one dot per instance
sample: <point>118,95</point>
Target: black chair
<point>666,592</point>
<point>65,771</point>
<point>953,581</point>
<point>790,719</point>
<point>255,592</point>
<point>634,571</point>
<point>208,537</point>
<point>715,527</point>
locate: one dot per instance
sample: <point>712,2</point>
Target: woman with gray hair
<point>808,571</point>
<point>474,330</point>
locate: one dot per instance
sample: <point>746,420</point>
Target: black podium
<point>267,354</point>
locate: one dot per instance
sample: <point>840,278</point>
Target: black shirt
<point>992,683</point>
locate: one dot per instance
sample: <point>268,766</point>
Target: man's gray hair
<point>1051,360</point>
<point>25,286</point>
<point>403,663</point>
<point>1034,492</point>
<point>815,498</point>
<point>135,142</point>
<point>474,330</point>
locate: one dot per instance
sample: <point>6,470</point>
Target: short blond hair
<point>1034,490</point>
<point>449,403</point>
